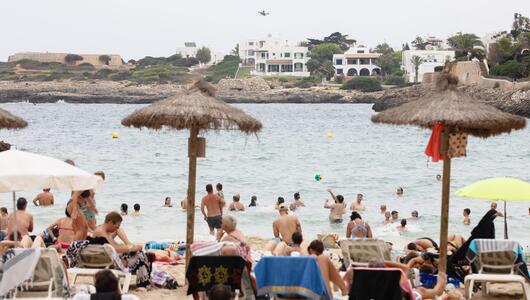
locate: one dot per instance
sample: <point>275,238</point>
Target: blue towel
<point>290,275</point>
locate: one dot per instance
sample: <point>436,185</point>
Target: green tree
<point>104,59</point>
<point>465,44</point>
<point>383,48</point>
<point>204,55</point>
<point>511,68</point>
<point>325,51</point>
<point>416,61</point>
<point>321,62</point>
<point>235,51</point>
<point>363,84</point>
<point>520,25</point>
<point>419,43</point>
<point>336,38</point>
<point>405,47</point>
<point>72,58</point>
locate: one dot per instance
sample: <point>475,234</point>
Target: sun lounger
<point>283,275</point>
<point>39,273</point>
<point>94,258</point>
<point>359,252</point>
<point>379,283</point>
<point>496,262</point>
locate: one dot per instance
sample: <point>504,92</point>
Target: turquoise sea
<point>144,166</point>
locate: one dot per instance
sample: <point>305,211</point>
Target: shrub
<point>283,79</point>
<point>496,85</point>
<point>339,79</point>
<point>102,74</point>
<point>363,84</point>
<point>395,80</point>
<point>29,64</point>
<point>226,68</point>
<point>438,69</point>
<point>307,82</point>
<point>122,75</point>
<point>86,67</point>
<point>72,58</point>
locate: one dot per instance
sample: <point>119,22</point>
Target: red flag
<point>433,148</point>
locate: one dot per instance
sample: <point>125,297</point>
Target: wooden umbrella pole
<point>190,224</point>
<point>446,180</point>
<point>505,222</point>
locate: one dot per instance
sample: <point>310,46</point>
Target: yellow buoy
<point>329,135</point>
<point>114,135</point>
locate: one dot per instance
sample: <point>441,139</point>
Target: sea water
<point>298,141</point>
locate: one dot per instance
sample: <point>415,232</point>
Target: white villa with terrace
<point>357,61</point>
<point>272,57</point>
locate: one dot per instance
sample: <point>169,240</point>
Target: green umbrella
<point>500,188</point>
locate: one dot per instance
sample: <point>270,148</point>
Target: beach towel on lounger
<point>18,271</point>
<point>290,275</point>
<point>379,283</point>
<point>207,271</point>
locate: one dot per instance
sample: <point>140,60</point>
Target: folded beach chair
<point>379,283</point>
<point>94,258</point>
<point>206,271</point>
<point>34,273</point>
<point>290,275</point>
<point>496,261</point>
<point>359,252</point>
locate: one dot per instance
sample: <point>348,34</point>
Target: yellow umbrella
<point>500,188</point>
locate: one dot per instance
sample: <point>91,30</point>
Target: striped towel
<point>18,271</point>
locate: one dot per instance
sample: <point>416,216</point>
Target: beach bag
<point>164,279</point>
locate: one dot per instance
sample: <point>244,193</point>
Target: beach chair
<point>45,277</point>
<point>379,283</point>
<point>94,258</point>
<point>496,261</point>
<point>206,271</point>
<point>359,252</point>
<point>292,277</point>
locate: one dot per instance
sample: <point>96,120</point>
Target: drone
<point>263,13</point>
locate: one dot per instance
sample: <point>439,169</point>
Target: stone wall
<point>115,60</point>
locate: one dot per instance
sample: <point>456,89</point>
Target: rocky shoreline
<point>254,90</point>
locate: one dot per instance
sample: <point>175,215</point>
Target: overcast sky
<point>135,28</point>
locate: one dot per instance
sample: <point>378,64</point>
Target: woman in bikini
<point>357,228</point>
<point>66,231</point>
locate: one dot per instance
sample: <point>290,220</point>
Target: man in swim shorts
<point>283,228</point>
<point>214,209</point>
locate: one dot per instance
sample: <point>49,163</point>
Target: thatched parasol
<point>459,113</point>
<point>10,121</point>
<point>195,109</point>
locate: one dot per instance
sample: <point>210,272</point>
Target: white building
<point>357,61</point>
<point>190,50</point>
<point>430,60</point>
<point>272,57</point>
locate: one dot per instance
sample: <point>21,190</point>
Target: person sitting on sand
<point>65,230</point>
<point>213,203</point>
<point>107,287</point>
<point>357,228</point>
<point>136,211</point>
<point>328,270</point>
<point>24,219</point>
<point>395,216</point>
<point>337,209</point>
<point>402,227</point>
<point>131,253</point>
<point>297,201</point>
<point>414,215</point>
<point>229,231</point>
<point>123,209</point>
<point>167,202</point>
<point>295,249</point>
<point>358,205</point>
<point>387,218</point>
<point>253,201</point>
<point>236,205</point>
<point>382,209</point>
<point>422,244</point>
<point>283,228</point>
<point>44,198</point>
<point>279,202</point>
<point>466,213</point>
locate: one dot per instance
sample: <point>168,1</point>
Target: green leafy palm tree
<point>464,44</point>
<point>416,61</point>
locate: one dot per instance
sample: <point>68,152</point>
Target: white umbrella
<point>21,171</point>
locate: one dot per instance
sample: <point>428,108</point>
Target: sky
<point>134,28</point>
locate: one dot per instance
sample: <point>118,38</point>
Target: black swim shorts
<point>214,222</point>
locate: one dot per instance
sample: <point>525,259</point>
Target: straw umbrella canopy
<point>10,121</point>
<point>458,113</point>
<point>196,109</point>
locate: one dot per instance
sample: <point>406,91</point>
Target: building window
<point>261,67</point>
<point>364,61</point>
<point>338,61</point>
<point>250,52</point>
<point>340,72</point>
<point>287,54</point>
<point>360,51</point>
<point>352,61</point>
<point>251,43</point>
<point>287,68</point>
<point>273,68</point>
<point>298,67</point>
<point>298,55</point>
<point>264,55</point>
<point>374,61</point>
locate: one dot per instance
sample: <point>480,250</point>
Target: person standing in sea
<point>337,209</point>
<point>44,198</point>
<point>212,209</point>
